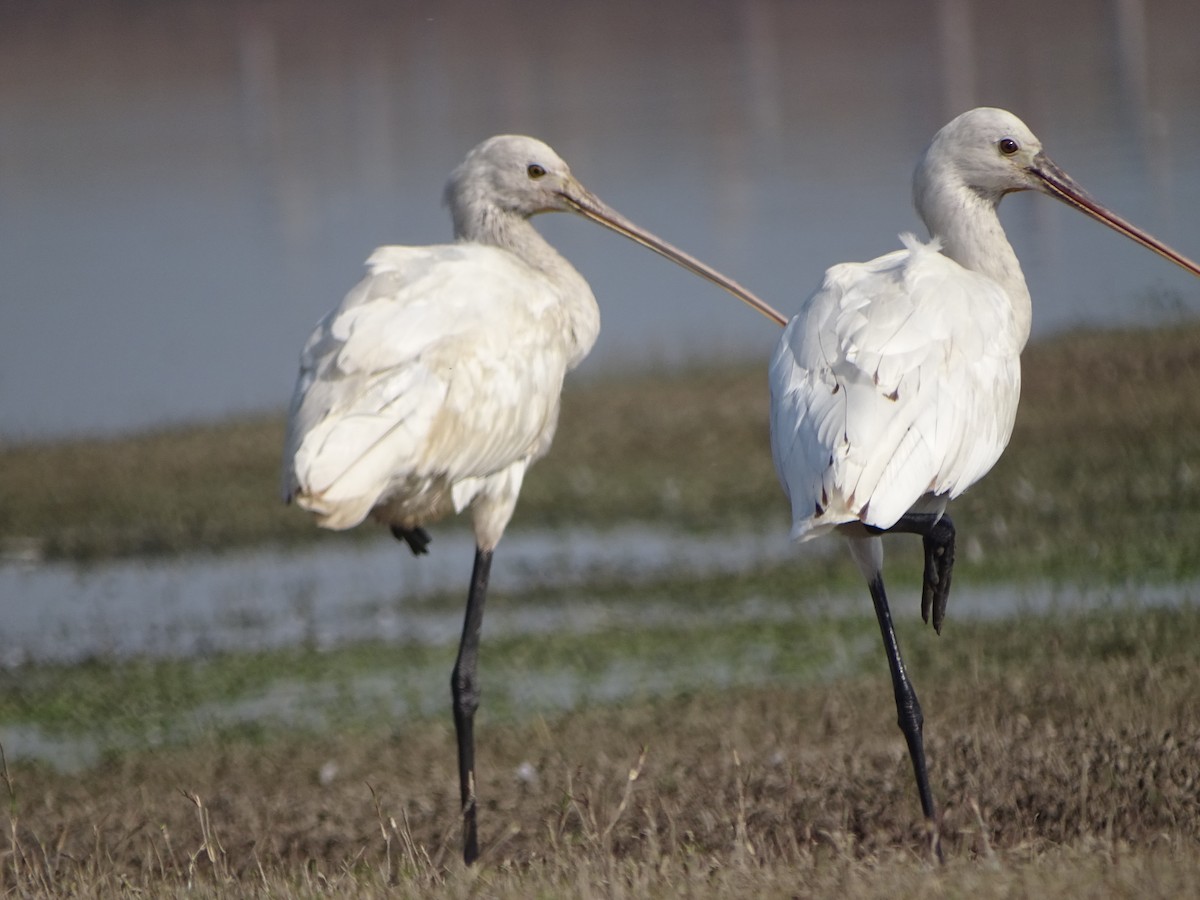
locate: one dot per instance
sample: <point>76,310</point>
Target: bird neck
<point>489,224</point>
<point>968,227</point>
<point>507,230</point>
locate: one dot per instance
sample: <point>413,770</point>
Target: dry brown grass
<point>1075,773</point>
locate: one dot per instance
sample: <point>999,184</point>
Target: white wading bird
<point>895,387</point>
<point>435,384</point>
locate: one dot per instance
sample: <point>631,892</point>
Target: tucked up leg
<point>417,538</point>
<point>937,534</point>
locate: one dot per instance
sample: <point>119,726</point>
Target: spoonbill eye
<point>1008,146</point>
<point>535,171</point>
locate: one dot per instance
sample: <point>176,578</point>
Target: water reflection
<point>186,187</point>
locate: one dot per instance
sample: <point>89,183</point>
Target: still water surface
<point>341,592</point>
<point>186,187</point>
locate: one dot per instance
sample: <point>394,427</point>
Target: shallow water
<point>338,593</point>
<point>330,594</point>
<point>341,593</point>
<point>186,187</point>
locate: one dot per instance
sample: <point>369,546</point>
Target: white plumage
<point>432,386</point>
<point>872,388</point>
<point>435,383</point>
<point>895,387</point>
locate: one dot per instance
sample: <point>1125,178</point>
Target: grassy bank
<point>1102,477</point>
<point>1063,751</point>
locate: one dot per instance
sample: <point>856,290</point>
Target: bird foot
<point>935,843</point>
<point>939,567</point>
<point>418,538</point>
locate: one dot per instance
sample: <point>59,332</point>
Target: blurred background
<point>186,187</point>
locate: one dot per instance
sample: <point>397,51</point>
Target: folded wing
<point>438,368</point>
<point>898,380</point>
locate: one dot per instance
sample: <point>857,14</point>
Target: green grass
<point>1101,479</point>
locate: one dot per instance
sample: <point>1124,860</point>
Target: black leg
<point>938,537</point>
<point>908,708</point>
<point>417,538</point>
<point>464,687</point>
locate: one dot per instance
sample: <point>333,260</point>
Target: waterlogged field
<point>738,742</point>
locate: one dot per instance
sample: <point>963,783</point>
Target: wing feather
<point>897,379</point>
<point>440,366</point>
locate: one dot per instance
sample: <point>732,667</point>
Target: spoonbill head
<point>508,178</point>
<point>984,154</point>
